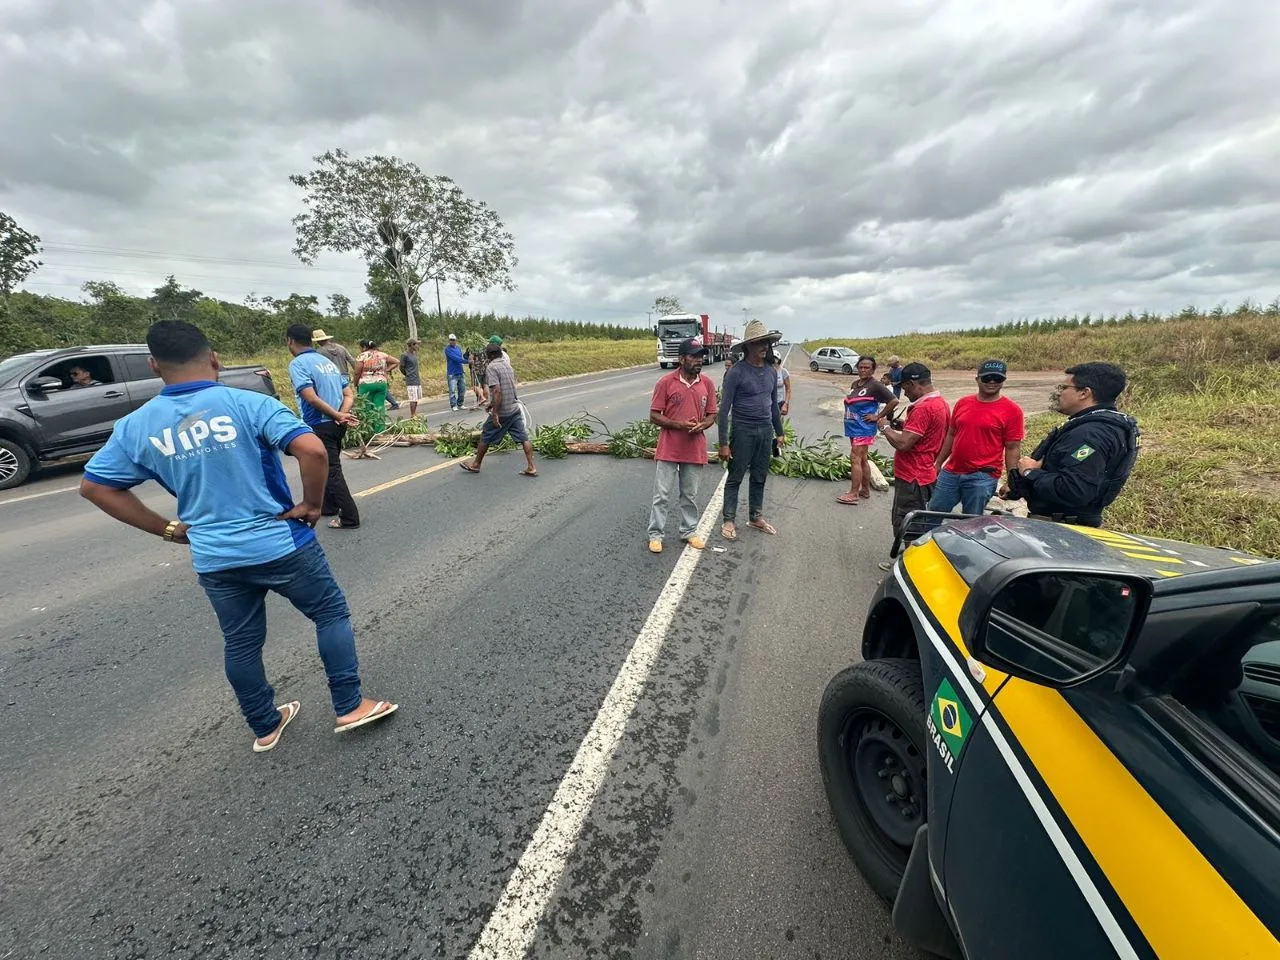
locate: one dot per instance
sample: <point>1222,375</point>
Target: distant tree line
<point>1076,321</point>
<point>29,321</point>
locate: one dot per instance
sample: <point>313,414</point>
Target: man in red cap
<point>683,407</point>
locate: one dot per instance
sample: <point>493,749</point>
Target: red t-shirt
<point>928,417</point>
<point>982,430</point>
<point>681,401</point>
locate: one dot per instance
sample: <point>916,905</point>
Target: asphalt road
<point>498,611</point>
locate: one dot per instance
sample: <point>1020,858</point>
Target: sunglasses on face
<point>992,378</point>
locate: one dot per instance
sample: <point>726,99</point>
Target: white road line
<point>42,493</point>
<point>514,921</point>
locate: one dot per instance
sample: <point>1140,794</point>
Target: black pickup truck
<point>63,403</point>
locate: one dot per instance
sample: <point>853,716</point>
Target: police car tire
<point>895,689</point>
<point>16,462</point>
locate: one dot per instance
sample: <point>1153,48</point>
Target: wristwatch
<point>170,529</point>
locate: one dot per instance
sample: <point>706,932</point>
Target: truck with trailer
<point>673,329</point>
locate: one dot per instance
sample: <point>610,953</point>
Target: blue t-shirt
<point>215,448</point>
<point>315,370</point>
<point>453,360</point>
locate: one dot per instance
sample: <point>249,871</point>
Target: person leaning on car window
<point>1080,468</point>
<point>80,377</point>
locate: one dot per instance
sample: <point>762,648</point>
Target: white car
<point>834,360</point>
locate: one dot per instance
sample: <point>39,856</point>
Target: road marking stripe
<point>534,881</point>
<point>42,493</point>
<point>407,477</point>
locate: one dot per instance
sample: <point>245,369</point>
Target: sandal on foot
<point>847,500</point>
<point>764,526</point>
<point>380,709</point>
<point>289,711</point>
<point>469,468</point>
<point>336,524</point>
<point>728,532</point>
<point>526,472</point>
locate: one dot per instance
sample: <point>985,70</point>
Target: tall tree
<point>418,227</point>
<point>666,304</point>
<point>171,302</point>
<point>340,306</point>
<point>18,252</point>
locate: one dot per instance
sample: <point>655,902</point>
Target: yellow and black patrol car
<point>1065,742</point>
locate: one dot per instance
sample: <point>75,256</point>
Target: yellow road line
<point>407,477</point>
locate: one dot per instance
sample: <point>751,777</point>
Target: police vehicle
<point>1064,741</point>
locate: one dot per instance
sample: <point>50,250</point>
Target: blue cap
<point>994,368</point>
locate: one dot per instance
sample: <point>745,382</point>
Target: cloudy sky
<point>834,167</point>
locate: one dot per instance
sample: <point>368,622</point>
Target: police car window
<point>137,368</point>
<point>1240,693</point>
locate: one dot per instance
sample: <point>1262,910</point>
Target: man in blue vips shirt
<point>325,399</point>
<point>216,449</point>
<point>456,374</point>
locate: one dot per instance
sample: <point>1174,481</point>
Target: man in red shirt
<point>683,407</point>
<point>985,439</point>
<point>916,447</point>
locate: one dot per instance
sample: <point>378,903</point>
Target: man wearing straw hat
<point>750,398</point>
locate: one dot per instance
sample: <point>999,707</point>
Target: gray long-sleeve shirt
<point>750,395</point>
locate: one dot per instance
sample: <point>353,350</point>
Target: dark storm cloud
<point>865,166</point>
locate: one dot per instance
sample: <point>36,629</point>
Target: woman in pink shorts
<point>861,410</point>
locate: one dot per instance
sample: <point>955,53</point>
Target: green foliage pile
<point>551,440</point>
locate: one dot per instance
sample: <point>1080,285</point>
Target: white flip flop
<point>290,710</point>
<point>380,709</point>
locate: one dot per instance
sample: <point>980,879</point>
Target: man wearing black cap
<point>1081,467</point>
<point>985,439</point>
<point>916,447</point>
<point>683,407</point>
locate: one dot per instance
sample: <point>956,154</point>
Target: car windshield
<point>12,365</point>
<point>846,352</point>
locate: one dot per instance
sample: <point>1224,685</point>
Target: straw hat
<point>755,333</point>
<point>319,336</point>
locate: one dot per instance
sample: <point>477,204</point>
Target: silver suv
<point>834,360</point>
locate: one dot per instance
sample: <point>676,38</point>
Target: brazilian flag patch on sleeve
<point>1084,453</point>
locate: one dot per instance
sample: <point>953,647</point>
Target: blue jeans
<point>457,390</point>
<point>752,447</point>
<point>971,490</point>
<point>239,599</point>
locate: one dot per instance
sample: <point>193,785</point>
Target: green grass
<point>532,361</point>
<point>1240,338</point>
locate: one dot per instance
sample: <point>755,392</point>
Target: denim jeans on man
<point>751,445</point>
<point>682,480</point>
<point>971,490</point>
<point>239,598</point>
<point>457,391</point>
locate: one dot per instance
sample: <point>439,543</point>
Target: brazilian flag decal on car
<point>948,723</point>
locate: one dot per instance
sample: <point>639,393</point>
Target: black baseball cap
<point>993,368</point>
<point>692,348</point>
<point>916,372</point>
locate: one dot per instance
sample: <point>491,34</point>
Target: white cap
<point>453,336</point>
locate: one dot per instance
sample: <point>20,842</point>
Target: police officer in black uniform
<point>1080,468</point>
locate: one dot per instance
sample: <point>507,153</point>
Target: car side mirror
<point>1058,626</point>
<point>44,384</point>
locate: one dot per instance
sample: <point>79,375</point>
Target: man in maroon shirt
<point>984,440</point>
<point>683,407</point>
<point>916,447</point>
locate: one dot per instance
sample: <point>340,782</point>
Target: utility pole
<point>439,309</point>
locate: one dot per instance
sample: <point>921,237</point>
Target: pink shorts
<point>862,441</point>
